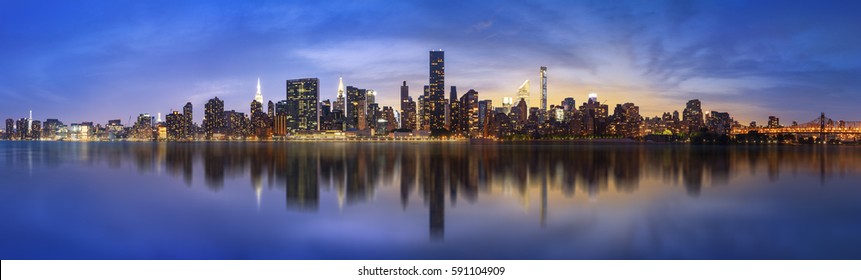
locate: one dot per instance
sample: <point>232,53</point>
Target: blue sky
<point>99,60</point>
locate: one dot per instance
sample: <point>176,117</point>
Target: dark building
<point>425,109</point>
<point>626,120</point>
<point>10,128</point>
<point>49,130</point>
<point>36,130</point>
<point>356,108</point>
<point>235,124</point>
<point>594,117</point>
<point>143,127</point>
<point>270,110</point>
<point>281,108</point>
<point>467,115</point>
<point>388,114</point>
<point>520,113</point>
<point>189,118</point>
<point>773,122</point>
<point>692,116</point>
<point>485,111</point>
<point>452,119</point>
<point>569,105</point>
<point>256,107</point>
<point>175,126</point>
<point>719,123</point>
<point>408,108</point>
<point>280,122</point>
<point>213,117</point>
<point>437,105</point>
<point>22,128</point>
<point>259,120</point>
<point>326,115</point>
<point>373,116</point>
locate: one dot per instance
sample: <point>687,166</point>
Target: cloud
<point>145,57</point>
<point>481,26</point>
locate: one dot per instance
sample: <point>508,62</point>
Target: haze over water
<point>427,201</point>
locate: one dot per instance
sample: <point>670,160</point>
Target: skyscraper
<point>485,111</point>
<point>719,123</point>
<point>22,128</point>
<point>259,95</point>
<point>356,107</point>
<point>35,130</point>
<point>523,93</point>
<point>692,116</point>
<point>408,108</point>
<point>594,115</point>
<point>372,115</point>
<point>468,114</point>
<point>452,117</point>
<point>305,95</point>
<point>339,102</point>
<point>188,115</point>
<point>543,82</point>
<point>326,115</point>
<point>389,116</point>
<point>279,125</point>
<point>10,128</point>
<point>425,109</point>
<point>175,126</point>
<point>569,105</point>
<point>436,100</point>
<point>371,96</point>
<point>213,118</point>
<point>30,121</point>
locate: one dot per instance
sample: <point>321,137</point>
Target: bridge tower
<point>822,127</point>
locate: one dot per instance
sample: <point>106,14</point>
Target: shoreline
<point>474,142</point>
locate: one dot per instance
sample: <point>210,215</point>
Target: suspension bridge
<point>822,127</point>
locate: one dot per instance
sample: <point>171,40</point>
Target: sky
<point>100,60</point>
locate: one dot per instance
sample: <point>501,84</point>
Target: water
<point>427,201</point>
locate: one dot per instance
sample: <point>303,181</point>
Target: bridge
<point>822,127</point>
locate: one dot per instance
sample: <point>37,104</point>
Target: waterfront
<point>302,200</point>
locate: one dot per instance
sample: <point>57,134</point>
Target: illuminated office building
<point>304,95</point>
<point>436,101</point>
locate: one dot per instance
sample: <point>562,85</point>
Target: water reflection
<point>443,172</point>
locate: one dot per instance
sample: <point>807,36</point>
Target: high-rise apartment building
<point>692,116</point>
<point>213,118</point>
<point>543,81</point>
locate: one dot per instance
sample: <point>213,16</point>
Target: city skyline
<point>113,61</point>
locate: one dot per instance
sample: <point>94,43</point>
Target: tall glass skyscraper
<point>437,90</point>
<point>543,82</point>
<point>304,97</point>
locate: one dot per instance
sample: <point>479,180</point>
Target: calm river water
<point>427,201</point>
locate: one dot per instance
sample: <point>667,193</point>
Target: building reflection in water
<point>435,171</point>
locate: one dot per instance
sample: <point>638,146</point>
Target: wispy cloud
<point>100,59</point>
